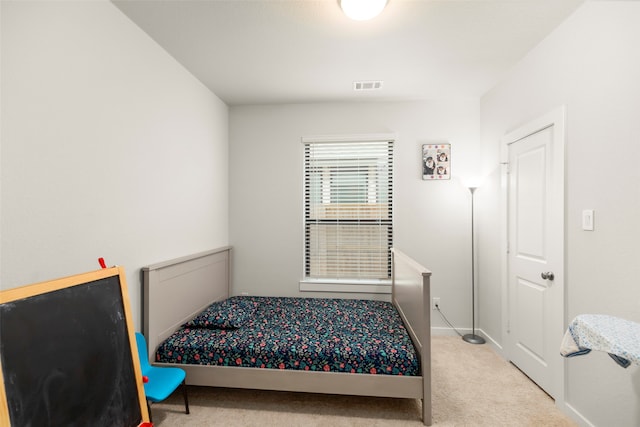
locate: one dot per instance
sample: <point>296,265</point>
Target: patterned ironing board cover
<point>618,337</point>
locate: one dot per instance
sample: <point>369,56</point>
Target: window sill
<point>351,286</point>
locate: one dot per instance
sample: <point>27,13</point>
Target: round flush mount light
<point>362,10</point>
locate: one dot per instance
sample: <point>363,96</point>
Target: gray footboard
<point>411,296</point>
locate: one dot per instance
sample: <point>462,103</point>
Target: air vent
<point>368,85</point>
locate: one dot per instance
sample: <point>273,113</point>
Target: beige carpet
<point>472,386</point>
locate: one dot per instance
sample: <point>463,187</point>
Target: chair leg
<point>186,400</point>
<point>149,410</point>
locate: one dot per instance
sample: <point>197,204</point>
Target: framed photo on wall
<point>436,161</point>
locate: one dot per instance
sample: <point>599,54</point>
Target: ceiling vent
<point>368,85</point>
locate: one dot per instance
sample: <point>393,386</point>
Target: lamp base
<point>473,339</point>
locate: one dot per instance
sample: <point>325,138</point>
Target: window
<point>348,195</point>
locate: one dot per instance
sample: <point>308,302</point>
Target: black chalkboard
<point>67,355</point>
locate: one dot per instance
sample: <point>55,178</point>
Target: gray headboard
<point>178,291</point>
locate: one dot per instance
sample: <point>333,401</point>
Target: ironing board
<point>618,337</point>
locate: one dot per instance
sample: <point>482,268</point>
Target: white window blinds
<point>348,195</point>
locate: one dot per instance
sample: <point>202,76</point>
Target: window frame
<point>351,285</point>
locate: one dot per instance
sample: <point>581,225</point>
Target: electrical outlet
<point>244,293</point>
<point>436,303</point>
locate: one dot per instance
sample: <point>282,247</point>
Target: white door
<point>535,250</point>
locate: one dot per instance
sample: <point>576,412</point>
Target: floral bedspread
<point>313,334</point>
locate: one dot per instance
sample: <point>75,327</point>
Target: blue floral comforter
<point>312,334</point>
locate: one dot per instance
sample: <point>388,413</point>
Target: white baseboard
<point>445,331</point>
<point>495,345</point>
<point>576,416</point>
<point>450,332</point>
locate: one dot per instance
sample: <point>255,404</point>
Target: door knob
<point>548,275</point>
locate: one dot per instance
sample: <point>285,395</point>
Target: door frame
<point>555,118</point>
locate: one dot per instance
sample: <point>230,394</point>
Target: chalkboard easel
<point>68,355</point>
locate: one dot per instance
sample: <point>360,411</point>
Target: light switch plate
<point>587,219</point>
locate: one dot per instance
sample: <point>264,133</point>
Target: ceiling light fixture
<point>362,10</point>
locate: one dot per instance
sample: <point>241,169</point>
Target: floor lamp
<point>472,338</point>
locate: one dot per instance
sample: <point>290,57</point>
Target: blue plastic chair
<point>162,380</point>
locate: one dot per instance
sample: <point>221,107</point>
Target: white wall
<point>110,148</point>
<point>432,219</point>
<point>591,65</point>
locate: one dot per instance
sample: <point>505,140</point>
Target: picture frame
<point>436,161</point>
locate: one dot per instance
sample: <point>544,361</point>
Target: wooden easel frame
<point>23,292</point>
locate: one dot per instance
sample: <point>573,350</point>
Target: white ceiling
<point>292,51</point>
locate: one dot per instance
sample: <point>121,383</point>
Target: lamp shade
<point>362,10</point>
<point>472,181</point>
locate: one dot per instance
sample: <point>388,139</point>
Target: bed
<point>176,291</point>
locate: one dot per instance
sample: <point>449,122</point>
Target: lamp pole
<point>472,338</point>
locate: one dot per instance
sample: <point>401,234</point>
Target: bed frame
<point>175,291</point>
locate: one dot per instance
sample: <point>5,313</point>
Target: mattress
<point>312,334</point>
